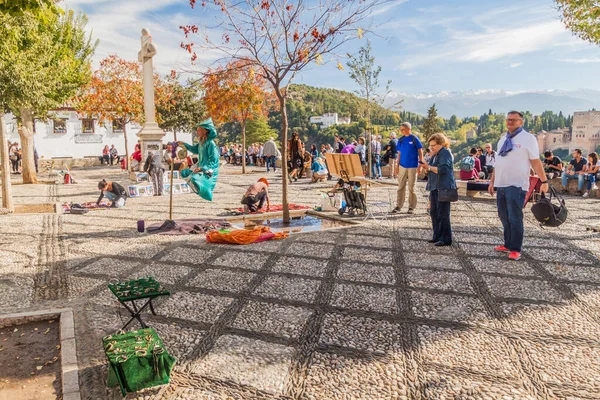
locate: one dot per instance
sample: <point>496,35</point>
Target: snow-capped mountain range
<point>477,102</point>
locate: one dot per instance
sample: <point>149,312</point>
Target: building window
<point>87,125</point>
<point>117,127</point>
<point>60,125</point>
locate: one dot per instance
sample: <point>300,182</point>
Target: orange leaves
<point>265,5</point>
<point>188,29</point>
<point>296,36</point>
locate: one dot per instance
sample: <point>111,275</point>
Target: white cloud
<point>385,9</point>
<point>581,60</point>
<point>515,65</point>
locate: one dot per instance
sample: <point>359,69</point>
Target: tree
<point>235,93</point>
<point>258,130</point>
<point>366,75</point>
<point>44,59</point>
<point>183,108</point>
<point>430,126</point>
<point>19,7</point>
<point>582,17</point>
<point>279,38</point>
<point>116,94</point>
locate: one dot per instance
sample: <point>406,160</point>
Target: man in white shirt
<point>518,152</point>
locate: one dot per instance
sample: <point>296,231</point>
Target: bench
<point>470,188</point>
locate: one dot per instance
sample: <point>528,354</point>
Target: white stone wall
<point>75,144</point>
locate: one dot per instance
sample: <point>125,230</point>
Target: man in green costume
<point>202,177</point>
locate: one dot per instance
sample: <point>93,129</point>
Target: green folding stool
<point>137,289</point>
<point>137,360</point>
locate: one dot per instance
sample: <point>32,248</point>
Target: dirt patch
<point>35,208</point>
<point>30,355</point>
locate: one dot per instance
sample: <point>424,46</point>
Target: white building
<point>329,119</point>
<point>67,135</point>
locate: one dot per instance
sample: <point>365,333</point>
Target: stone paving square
<point>498,266</point>
<point>333,376</point>
<point>195,306</point>
<point>416,247</point>
<point>475,238</point>
<point>440,280</point>
<point>361,333</point>
<point>275,319</point>
<point>373,241</point>
<point>589,294</point>
<point>240,259</point>
<point>79,286</point>
<point>482,250</point>
<point>431,260</point>
<point>447,307</point>
<point>162,272</point>
<point>366,273</point>
<point>247,362</point>
<point>522,288</point>
<point>301,266</point>
<point>561,256</point>
<point>330,237</point>
<point>221,279</point>
<point>361,254</point>
<point>188,255</point>
<point>178,340</point>
<point>360,297</point>
<point>110,267</point>
<point>465,349</point>
<point>580,273</point>
<point>316,250</point>
<point>295,289</point>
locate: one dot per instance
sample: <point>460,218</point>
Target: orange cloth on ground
<point>244,236</point>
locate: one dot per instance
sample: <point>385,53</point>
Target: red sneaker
<point>514,255</point>
<point>502,249</point>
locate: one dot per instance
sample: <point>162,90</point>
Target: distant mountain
<point>477,102</point>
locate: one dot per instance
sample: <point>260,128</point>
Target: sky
<point>423,46</point>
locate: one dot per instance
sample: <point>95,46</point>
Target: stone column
<point>150,134</point>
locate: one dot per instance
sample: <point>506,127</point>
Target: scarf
<point>508,145</point>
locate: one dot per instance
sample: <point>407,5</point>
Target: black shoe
<point>410,211</point>
<point>396,210</point>
<point>440,244</point>
<point>433,241</point>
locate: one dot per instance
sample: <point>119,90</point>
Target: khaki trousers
<point>404,175</point>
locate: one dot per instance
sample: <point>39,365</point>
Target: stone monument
<point>150,134</point>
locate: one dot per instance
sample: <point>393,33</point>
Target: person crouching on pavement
<point>154,167</point>
<point>256,195</point>
<point>113,192</point>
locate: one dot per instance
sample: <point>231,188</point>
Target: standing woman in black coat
<point>441,176</point>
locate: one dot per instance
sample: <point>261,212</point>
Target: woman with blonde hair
<point>440,176</point>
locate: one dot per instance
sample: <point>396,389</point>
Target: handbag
<point>549,214</point>
<point>446,195</point>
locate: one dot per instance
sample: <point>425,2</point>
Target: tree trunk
<point>7,201</point>
<point>284,168</point>
<point>124,126</point>
<point>26,134</point>
<point>243,125</point>
<point>370,139</point>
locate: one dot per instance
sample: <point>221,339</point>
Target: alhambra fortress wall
<point>585,136</point>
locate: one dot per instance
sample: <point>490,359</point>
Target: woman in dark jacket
<point>113,192</point>
<point>441,176</point>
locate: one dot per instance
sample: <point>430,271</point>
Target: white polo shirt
<point>514,168</point>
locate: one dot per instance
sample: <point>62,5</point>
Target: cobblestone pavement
<point>364,312</point>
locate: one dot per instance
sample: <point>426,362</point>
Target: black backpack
<point>549,214</point>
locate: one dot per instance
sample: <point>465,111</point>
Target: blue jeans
<point>580,180</point>
<point>440,218</point>
<point>591,180</point>
<point>510,202</point>
<point>117,201</point>
<point>271,162</point>
<point>376,166</point>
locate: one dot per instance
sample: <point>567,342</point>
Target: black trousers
<point>440,218</point>
<point>255,203</point>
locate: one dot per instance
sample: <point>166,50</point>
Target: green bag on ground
<point>137,360</point>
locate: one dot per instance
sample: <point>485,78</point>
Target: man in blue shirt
<point>393,149</point>
<point>410,154</point>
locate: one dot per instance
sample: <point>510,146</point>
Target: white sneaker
<point>586,194</point>
<point>594,187</point>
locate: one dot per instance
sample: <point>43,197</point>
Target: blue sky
<point>422,45</point>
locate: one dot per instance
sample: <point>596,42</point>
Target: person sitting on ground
<point>553,165</point>
<point>306,161</point>
<point>113,192</point>
<point>256,195</point>
<point>105,157</point>
<point>470,166</point>
<point>490,160</point>
<point>481,158</point>
<point>155,168</point>
<point>319,170</point>
<point>136,158</point>
<point>592,173</point>
<point>114,155</point>
<point>576,170</point>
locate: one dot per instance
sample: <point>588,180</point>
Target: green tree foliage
<point>430,126</point>
<point>582,17</point>
<point>20,7</point>
<point>258,130</point>
<point>185,107</point>
<point>43,62</point>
